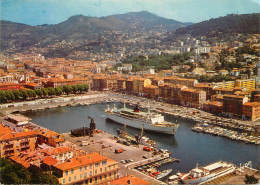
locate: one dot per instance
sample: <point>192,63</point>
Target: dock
<point>135,153</point>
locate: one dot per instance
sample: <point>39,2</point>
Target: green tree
<point>17,94</point>
<point>31,93</point>
<point>85,87</point>
<point>75,89</point>
<point>24,94</point>
<point>250,179</point>
<point>58,91</point>
<point>39,93</point>
<point>80,88</point>
<point>9,95</point>
<point>3,97</point>
<point>68,89</point>
<point>13,173</point>
<point>51,91</point>
<point>45,92</point>
<point>44,178</point>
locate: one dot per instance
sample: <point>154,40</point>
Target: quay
<point>249,127</point>
<point>105,144</point>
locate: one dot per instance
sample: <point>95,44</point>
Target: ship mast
<point>142,131</point>
<point>149,112</point>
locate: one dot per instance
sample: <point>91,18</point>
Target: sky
<point>37,12</point>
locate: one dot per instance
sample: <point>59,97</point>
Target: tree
<point>80,88</point>
<point>44,178</point>
<point>250,179</point>
<point>45,92</point>
<point>85,87</point>
<point>31,93</point>
<point>13,173</point>
<point>9,95</point>
<point>75,89</point>
<point>39,92</point>
<point>58,91</point>
<point>51,91</point>
<point>68,89</point>
<point>17,94</point>
<point>3,97</point>
<point>24,94</point>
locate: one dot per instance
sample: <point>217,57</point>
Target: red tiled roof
<point>50,160</point>
<point>130,179</point>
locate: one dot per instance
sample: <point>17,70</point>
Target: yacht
<point>208,173</point>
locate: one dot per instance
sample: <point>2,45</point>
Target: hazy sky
<point>36,12</point>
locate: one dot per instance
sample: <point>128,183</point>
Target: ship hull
<point>171,130</point>
<point>208,177</point>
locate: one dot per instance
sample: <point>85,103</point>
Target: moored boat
<point>153,122</point>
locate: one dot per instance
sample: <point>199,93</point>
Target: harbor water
<point>188,146</point>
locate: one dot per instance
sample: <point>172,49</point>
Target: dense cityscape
<point>157,75</point>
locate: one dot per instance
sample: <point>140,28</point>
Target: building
<point>248,84</point>
<point>129,179</point>
<point>88,169</point>
<point>129,85</point>
<point>9,86</point>
<point>12,143</point>
<point>56,82</point>
<point>251,110</point>
<point>192,97</point>
<point>151,91</point>
<point>233,105</point>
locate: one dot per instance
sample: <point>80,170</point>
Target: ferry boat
<point>208,173</point>
<point>153,122</point>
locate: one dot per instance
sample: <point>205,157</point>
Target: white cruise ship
<point>153,122</point>
<point>208,173</point>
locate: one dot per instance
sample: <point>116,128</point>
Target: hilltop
<point>244,23</point>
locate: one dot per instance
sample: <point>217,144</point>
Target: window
<point>80,169</point>
<point>69,179</point>
<point>75,177</point>
<point>85,167</point>
<point>114,166</point>
<point>105,176</point>
<point>80,176</point>
<point>90,166</point>
<point>95,179</point>
<point>86,175</point>
<point>110,175</point>
<point>104,163</point>
<point>105,169</point>
<point>100,170</point>
<point>90,181</point>
<point>97,165</point>
<point>72,171</point>
<point>114,174</point>
<point>66,172</point>
<point>95,172</point>
<point>64,181</point>
<point>90,173</point>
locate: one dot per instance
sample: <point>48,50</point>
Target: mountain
<point>244,23</point>
<point>149,21</point>
<point>80,27</point>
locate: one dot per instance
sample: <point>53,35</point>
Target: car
<point>131,160</point>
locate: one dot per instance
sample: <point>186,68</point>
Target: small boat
<point>173,179</point>
<point>163,174</point>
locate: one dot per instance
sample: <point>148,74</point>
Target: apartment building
<point>13,143</point>
<point>233,105</point>
<point>192,97</point>
<point>88,169</point>
<point>251,110</point>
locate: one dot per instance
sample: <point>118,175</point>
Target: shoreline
<point>161,107</point>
